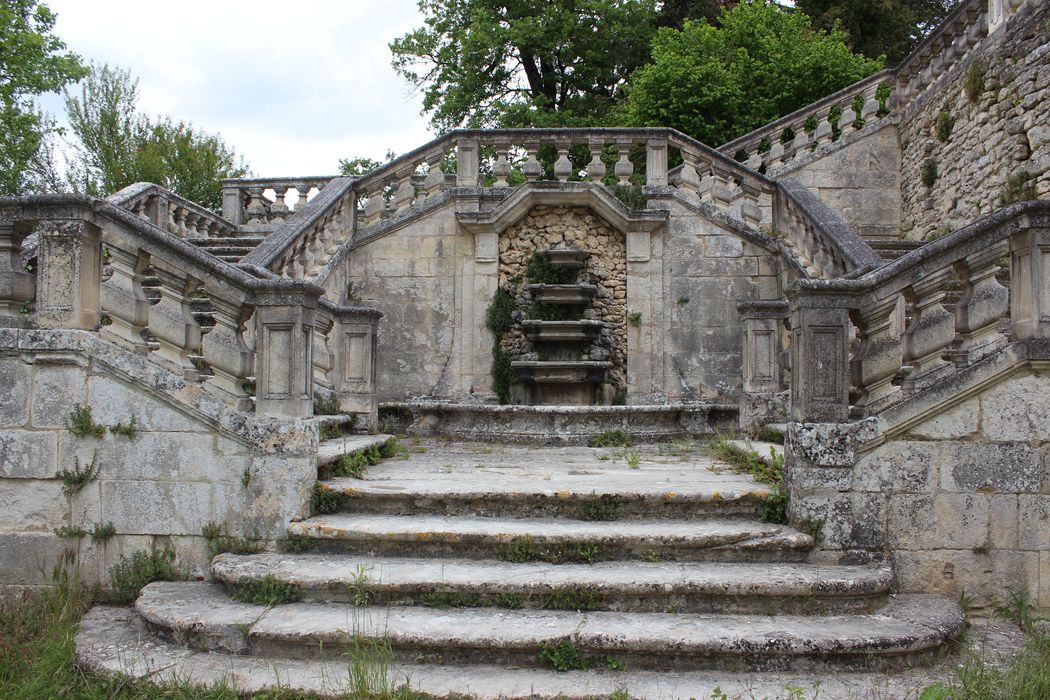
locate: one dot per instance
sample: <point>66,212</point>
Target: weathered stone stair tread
<point>201,615</point>
<point>328,577</point>
<point>735,536</point>
<point>331,450</point>
<point>115,640</point>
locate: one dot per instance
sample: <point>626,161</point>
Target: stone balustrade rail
<point>263,202</point>
<point>921,318</point>
<point>149,301</point>
<point>170,212</point>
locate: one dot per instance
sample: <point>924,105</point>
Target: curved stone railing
<point>264,325</point>
<point>498,159</point>
<point>779,144</point>
<point>268,200</point>
<point>170,212</point>
<point>920,319</point>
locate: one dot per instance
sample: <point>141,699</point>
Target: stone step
<point>908,628</point>
<point>115,641</point>
<point>244,241</point>
<point>676,481</point>
<point>628,587</point>
<point>556,541</point>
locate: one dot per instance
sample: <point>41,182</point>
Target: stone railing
<point>264,326</point>
<point>473,159</point>
<point>794,136</point>
<point>823,243</point>
<point>170,212</point>
<point>265,201</point>
<point>823,122</point>
<point>920,319</point>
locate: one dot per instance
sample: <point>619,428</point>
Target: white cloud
<point>292,87</point>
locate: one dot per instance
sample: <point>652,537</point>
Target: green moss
<point>974,84</point>
<point>324,500</point>
<point>326,406</point>
<point>562,655</point>
<point>602,508</point>
<point>928,173</point>
<point>575,598</point>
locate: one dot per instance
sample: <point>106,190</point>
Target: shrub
<point>945,123</point>
<point>1018,187</point>
<point>128,576</point>
<point>325,500</point>
<point>974,84</point>
<point>612,438</point>
<point>499,317</point>
<point>503,374</point>
<point>75,479</point>
<point>928,174</point>
<point>540,271</point>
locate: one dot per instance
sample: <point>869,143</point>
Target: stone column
<point>656,161</point>
<point>467,163</point>
<point>819,357</point>
<point>354,362</point>
<point>17,286</point>
<point>1030,297</point>
<point>233,203</point>
<point>284,320</point>
<point>70,261</point>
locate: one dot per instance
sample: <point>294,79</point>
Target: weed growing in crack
<point>130,430</point>
<point>604,508</point>
<point>80,423</point>
<point>267,590</point>
<point>612,438</point>
<point>74,480</point>
<point>128,576</point>
<point>361,593</point>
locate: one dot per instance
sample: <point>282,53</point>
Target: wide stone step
<point>555,541</point>
<point>629,587</point>
<point>907,628</point>
<point>116,641</point>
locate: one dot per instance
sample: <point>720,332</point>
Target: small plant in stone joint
<point>80,423</point>
<point>634,319</point>
<point>974,84</point>
<point>268,590</point>
<point>103,532</point>
<point>325,500</point>
<point>74,480</point>
<point>130,430</point>
<point>1018,187</point>
<point>928,172</point>
<point>945,124</point>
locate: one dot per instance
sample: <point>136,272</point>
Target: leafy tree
<point>116,145</point>
<point>360,165</point>
<point>524,62</point>
<point>32,62</point>
<point>889,28</point>
<point>716,83</point>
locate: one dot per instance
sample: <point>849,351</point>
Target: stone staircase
<point>231,249</point>
<point>505,571</point>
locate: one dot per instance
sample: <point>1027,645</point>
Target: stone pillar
<point>354,362</point>
<point>284,319</point>
<point>1030,297</point>
<point>70,272</point>
<point>763,321</point>
<point>819,357</point>
<point>17,286</point>
<point>656,161</point>
<point>233,203</point>
<point>467,163</point>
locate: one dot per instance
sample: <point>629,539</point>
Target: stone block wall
<point>1000,134</point>
<point>961,501</point>
<point>191,462</point>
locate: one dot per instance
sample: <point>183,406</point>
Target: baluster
<point>405,191</point>
<point>624,168</point>
<point>17,287</point>
<point>822,134</point>
<point>180,222</point>
<point>689,175</point>
<point>722,191</point>
<point>258,211</point>
<point>930,331</point>
<point>226,352</point>
<point>749,209</point>
<point>870,110</point>
<point>125,301</point>
<point>878,359</point>
<point>312,250</point>
<point>532,168</point>
<point>656,162</point>
<point>322,365</point>
<point>435,180</point>
<point>562,166</point>
<point>984,303</point>
<point>501,166</point>
<point>192,220</point>
<point>846,121</point>
<point>596,168</point>
<point>754,161</point>
<point>376,203</point>
<point>800,144</point>
<point>775,155</point>
<point>279,209</point>
<point>171,320</point>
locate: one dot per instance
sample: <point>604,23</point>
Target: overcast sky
<point>293,87</point>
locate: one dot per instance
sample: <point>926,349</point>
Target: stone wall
<point>576,228</point>
<point>192,461</point>
<point>961,501</point>
<point>1003,132</point>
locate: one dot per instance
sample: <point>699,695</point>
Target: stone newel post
<point>354,360</point>
<point>1030,297</point>
<point>70,272</point>
<point>819,357</point>
<point>284,319</point>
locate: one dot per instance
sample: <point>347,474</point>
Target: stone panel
<point>30,557</point>
<point>32,505</point>
<point>1017,409</point>
<point>16,379</point>
<point>113,401</point>
<point>27,455</point>
<point>1003,468</point>
<point>958,421</point>
<point>56,389</point>
<point>158,507</point>
<point>898,467</point>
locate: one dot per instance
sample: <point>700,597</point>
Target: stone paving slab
<point>328,577</point>
<point>907,623</point>
<point>114,640</point>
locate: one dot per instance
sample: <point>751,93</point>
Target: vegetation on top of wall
<point>974,84</point>
<point>945,123</point>
<point>1018,187</point>
<point>633,196</point>
<point>540,271</point>
<point>928,174</point>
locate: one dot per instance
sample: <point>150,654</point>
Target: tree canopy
<point>32,62</point>
<point>117,146</point>
<point>716,83</point>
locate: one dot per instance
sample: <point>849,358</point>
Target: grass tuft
<point>128,576</point>
<point>612,438</point>
<point>267,590</point>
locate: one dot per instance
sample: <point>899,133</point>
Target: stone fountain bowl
<point>561,331</point>
<point>574,294</point>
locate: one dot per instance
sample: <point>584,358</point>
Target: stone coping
<point>636,409</point>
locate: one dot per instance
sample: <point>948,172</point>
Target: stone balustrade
<point>960,31</point>
<point>917,320</point>
<point>170,212</point>
<point>263,202</point>
<point>148,301</point>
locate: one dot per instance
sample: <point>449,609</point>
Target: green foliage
<point>130,430</point>
<point>117,146</point>
<point>612,438</point>
<point>324,500</point>
<point>774,507</point>
<point>356,167</point>
<point>716,83</point>
<point>632,458</point>
<point>80,423</point>
<point>552,312</point>
<point>604,508</point>
<point>328,431</point>
<point>576,598</point>
<point>128,576</point>
<point>513,601</point>
<point>1018,187</point>
<point>945,123</point>
<point>75,479</point>
<point>293,542</point>
<point>499,317</point>
<point>267,590</point>
<point>889,28</point>
<point>70,532</point>
<point>540,271</point>
<point>974,83</point>
<point>562,655</point>
<point>765,433</point>
<point>928,172</point>
<point>103,532</point>
<point>486,62</point>
<point>1026,678</point>
<point>355,463</point>
<point>359,587</point>
<point>634,319</point>
<point>521,550</point>
<point>326,406</point>
<point>503,374</point>
<point>219,541</point>
<point>631,195</point>
<point>33,61</point>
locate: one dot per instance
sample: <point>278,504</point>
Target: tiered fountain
<point>561,378</point>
